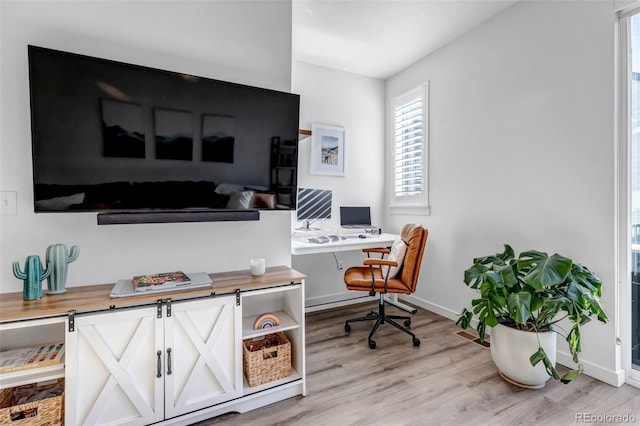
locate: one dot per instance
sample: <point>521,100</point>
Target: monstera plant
<point>533,292</point>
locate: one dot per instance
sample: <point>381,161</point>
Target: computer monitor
<point>355,217</point>
<point>313,204</point>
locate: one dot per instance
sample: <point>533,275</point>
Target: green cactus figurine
<point>33,275</point>
<point>59,257</point>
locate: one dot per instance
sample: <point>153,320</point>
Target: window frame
<point>418,204</point>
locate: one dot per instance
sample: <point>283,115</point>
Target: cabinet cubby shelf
<point>286,323</point>
<point>32,375</point>
<point>248,390</point>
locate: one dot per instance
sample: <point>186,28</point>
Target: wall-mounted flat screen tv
<point>115,137</point>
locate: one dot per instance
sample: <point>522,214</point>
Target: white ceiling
<point>378,38</point>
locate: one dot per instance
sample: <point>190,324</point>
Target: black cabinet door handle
<point>159,353</point>
<point>168,361</point>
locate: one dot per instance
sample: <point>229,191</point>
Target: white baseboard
<point>436,309</point>
<point>613,378</point>
<point>315,304</point>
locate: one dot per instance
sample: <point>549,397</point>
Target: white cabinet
<point>173,361</point>
<point>142,365</point>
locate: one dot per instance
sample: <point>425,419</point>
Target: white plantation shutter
<point>409,149</point>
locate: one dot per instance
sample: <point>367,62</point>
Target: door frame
<point>623,301</point>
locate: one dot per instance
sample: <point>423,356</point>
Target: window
<point>409,184</point>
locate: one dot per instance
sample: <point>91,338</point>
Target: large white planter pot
<point>511,350</point>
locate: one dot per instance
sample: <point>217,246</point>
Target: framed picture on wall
<point>328,154</point>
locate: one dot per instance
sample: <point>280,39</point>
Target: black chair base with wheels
<point>380,318</point>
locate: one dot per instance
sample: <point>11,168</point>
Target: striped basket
<point>266,359</point>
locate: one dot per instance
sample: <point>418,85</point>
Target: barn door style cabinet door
<point>204,361</point>
<point>147,364</point>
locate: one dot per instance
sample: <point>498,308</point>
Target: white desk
<point>300,245</point>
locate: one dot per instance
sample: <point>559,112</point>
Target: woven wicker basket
<point>267,359</point>
<point>45,412</point>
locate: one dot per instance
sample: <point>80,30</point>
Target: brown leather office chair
<point>372,279</point>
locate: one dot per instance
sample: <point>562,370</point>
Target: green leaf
<point>498,258</point>
<point>587,301</point>
<point>485,313</point>
<point>519,306</point>
<point>464,320</point>
<point>573,339</point>
<point>537,357</point>
<point>543,271</point>
<point>583,276</point>
<point>497,300</point>
<point>507,254</point>
<point>482,328</point>
<point>484,309</point>
<point>475,275</point>
<point>556,302</point>
<point>494,279</point>
<point>540,355</point>
<point>537,302</point>
<point>507,275</point>
<point>585,297</point>
<point>598,309</point>
<point>567,378</point>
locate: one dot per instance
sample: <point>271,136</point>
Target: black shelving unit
<point>284,166</point>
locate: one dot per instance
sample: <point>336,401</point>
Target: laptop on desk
<point>355,217</point>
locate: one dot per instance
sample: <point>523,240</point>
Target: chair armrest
<point>380,262</point>
<point>382,250</point>
<point>371,263</point>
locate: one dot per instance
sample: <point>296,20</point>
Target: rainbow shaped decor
<point>265,321</point>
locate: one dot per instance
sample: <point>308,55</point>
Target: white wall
<point>355,102</point>
<point>247,42</point>
<point>522,152</point>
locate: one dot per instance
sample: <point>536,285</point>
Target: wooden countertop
<point>96,297</point>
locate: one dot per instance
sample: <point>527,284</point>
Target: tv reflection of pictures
<point>122,129</point>
<point>174,138</point>
<point>218,136</point>
<point>313,204</point>
<point>113,137</point>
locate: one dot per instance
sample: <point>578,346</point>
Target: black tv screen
<point>114,137</point>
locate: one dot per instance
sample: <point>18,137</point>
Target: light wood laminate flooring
<point>447,380</point>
